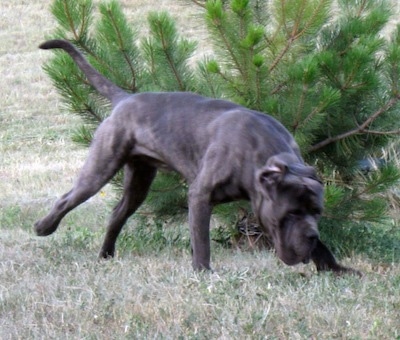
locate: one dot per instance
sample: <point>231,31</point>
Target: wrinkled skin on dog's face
<point>289,208</point>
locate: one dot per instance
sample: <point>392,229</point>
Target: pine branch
<point>313,17</point>
<point>231,82</point>
<point>63,9</point>
<point>170,60</point>
<point>278,59</point>
<point>300,107</point>
<point>296,32</point>
<point>258,81</point>
<point>359,129</point>
<point>318,109</point>
<point>200,3</point>
<point>110,15</point>
<point>79,36</point>
<point>383,133</point>
<point>167,55</point>
<point>215,18</point>
<point>152,63</point>
<point>71,23</point>
<point>85,22</point>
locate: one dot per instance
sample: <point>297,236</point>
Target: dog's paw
<point>106,254</point>
<point>347,271</point>
<point>42,229</point>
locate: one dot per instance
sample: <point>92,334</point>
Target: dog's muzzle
<point>312,239</point>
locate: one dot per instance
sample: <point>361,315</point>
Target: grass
<point>55,288</point>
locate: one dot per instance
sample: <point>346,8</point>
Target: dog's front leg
<point>324,260</point>
<point>199,223</point>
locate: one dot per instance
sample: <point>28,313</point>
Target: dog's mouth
<point>292,257</point>
<point>307,259</point>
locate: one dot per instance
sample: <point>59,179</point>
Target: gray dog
<point>224,151</point>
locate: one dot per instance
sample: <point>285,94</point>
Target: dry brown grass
<point>54,288</point>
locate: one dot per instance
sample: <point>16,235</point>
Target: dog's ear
<point>271,175</point>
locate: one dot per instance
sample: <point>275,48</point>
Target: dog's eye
<point>296,212</point>
<point>316,211</point>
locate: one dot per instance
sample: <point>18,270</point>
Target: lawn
<point>55,288</point>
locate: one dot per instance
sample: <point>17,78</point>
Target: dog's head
<point>289,206</point>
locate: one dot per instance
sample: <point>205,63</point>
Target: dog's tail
<point>104,86</point>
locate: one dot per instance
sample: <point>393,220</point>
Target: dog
<point>224,151</point>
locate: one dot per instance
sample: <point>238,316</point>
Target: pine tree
<point>328,76</point>
<point>113,46</point>
<point>322,68</point>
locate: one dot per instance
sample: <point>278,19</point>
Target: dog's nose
<point>313,240</point>
<point>313,236</point>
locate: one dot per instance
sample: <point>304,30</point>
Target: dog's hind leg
<point>106,157</point>
<point>138,177</point>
